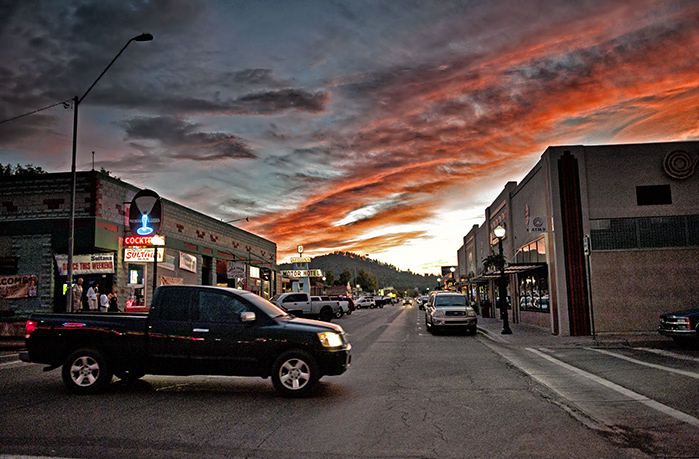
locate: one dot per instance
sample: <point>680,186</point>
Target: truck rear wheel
<point>295,373</point>
<point>326,314</point>
<point>86,371</point>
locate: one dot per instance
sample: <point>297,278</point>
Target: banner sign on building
<point>303,273</point>
<point>188,262</point>
<point>134,255</point>
<point>17,286</point>
<point>236,270</point>
<point>97,263</point>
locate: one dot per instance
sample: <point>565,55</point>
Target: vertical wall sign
<point>146,213</point>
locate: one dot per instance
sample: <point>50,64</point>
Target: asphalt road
<point>408,394</point>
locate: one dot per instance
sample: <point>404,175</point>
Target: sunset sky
<point>381,127</point>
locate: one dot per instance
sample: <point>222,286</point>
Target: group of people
<point>95,301</point>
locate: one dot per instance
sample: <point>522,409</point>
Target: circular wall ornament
<point>679,164</point>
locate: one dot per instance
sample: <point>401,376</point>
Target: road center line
<point>690,374</point>
<point>622,390</point>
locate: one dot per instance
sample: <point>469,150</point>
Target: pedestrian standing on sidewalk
<point>92,295</point>
<point>113,301</point>
<point>77,292</point>
<point>104,302</point>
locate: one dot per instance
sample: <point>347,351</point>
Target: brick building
<point>34,226</point>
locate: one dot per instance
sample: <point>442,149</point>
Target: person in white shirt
<point>92,293</point>
<point>104,303</point>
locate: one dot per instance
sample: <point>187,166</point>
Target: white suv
<point>365,302</point>
<point>449,310</point>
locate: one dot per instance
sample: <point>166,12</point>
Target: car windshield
<point>450,300</point>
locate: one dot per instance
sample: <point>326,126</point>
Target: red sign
<point>138,241</point>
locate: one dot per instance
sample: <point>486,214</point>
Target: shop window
<point>533,291</point>
<point>644,232</point>
<point>136,286</point>
<point>540,251</point>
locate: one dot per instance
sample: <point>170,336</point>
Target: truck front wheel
<point>86,371</point>
<point>295,373</point>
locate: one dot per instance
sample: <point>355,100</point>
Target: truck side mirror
<point>247,317</point>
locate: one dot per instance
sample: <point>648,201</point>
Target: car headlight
<point>330,339</point>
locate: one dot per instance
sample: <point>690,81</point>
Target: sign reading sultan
<point>303,273</point>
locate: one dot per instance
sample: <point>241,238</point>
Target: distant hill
<point>387,275</point>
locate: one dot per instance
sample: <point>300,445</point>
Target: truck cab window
<point>177,301</point>
<point>216,307</point>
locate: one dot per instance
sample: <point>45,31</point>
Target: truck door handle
<point>201,330</point>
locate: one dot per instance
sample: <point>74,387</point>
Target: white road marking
<point>622,390</point>
<point>668,354</point>
<point>690,374</point>
<point>12,364</point>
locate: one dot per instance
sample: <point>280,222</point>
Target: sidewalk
<point>530,335</point>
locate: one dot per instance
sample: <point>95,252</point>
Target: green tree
<point>329,277</point>
<point>494,261</point>
<point>368,282</point>
<point>28,169</point>
<point>345,277</point>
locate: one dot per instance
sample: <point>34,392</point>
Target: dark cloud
<point>183,140</point>
<point>277,101</point>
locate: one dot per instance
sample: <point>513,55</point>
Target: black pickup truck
<point>189,330</point>
<point>681,326</point>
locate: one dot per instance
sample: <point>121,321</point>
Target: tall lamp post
<point>71,224</point>
<point>500,232</point>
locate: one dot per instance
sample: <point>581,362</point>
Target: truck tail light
<point>31,326</point>
<point>686,323</point>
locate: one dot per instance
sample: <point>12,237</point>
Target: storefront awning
<point>513,268</point>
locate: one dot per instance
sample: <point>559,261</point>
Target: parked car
<point>365,302</point>
<point>681,326</point>
<point>450,311</point>
<point>422,301</point>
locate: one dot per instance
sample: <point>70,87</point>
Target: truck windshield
<point>268,308</point>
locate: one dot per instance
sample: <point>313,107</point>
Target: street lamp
<point>499,233</point>
<point>71,224</point>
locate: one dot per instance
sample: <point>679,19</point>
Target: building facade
<point>599,239</point>
<point>34,223</point>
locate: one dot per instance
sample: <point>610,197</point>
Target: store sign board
<point>134,255</point>
<point>236,270</point>
<point>303,273</point>
<point>540,225</point>
<point>300,259</point>
<point>98,263</point>
<point>139,241</point>
<point>145,213</point>
<point>188,262</point>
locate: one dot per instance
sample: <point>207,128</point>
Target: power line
<point>65,103</point>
